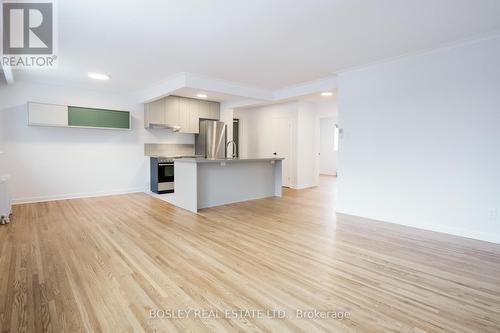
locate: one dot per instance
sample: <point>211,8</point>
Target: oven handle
<point>165,164</point>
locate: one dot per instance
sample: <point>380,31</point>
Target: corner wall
<point>421,141</point>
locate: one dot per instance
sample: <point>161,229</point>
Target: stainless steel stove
<point>162,173</point>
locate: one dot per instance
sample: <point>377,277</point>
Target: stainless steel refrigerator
<point>211,142</point>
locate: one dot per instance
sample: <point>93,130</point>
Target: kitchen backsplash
<point>165,149</point>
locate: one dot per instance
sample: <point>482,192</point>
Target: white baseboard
<point>466,233</point>
<point>18,201</point>
<point>303,186</point>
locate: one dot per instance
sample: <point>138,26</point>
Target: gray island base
<point>202,183</point>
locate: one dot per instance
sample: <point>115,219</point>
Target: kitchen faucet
<point>233,155</point>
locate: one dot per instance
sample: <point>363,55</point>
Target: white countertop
<point>229,160</point>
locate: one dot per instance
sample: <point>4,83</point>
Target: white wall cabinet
<point>209,110</point>
<point>184,115</point>
<point>172,111</point>
<point>180,111</point>
<point>204,109</point>
<point>154,112</point>
<point>194,116</point>
<point>214,110</point>
<point>40,114</point>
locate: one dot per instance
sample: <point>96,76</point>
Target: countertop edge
<point>239,160</point>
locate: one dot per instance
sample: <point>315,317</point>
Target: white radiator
<point>5,204</point>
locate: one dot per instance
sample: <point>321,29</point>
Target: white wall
<point>256,137</point>
<point>327,108</point>
<point>307,146</point>
<point>256,132</point>
<point>421,143</point>
<point>50,163</point>
<point>328,156</point>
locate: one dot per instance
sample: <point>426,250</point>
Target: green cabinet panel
<point>89,117</point>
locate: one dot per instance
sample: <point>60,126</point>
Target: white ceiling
<point>260,43</point>
<point>212,95</point>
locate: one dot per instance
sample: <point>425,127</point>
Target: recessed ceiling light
<point>202,95</point>
<point>99,76</point>
<point>326,93</point>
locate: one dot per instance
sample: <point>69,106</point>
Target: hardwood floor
<point>102,264</point>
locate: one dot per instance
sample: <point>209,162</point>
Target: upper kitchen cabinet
<point>154,113</point>
<point>40,114</point>
<point>209,110</point>
<point>98,118</point>
<point>189,115</point>
<point>172,111</point>
<point>194,116</point>
<point>184,113</point>
<point>214,110</point>
<point>204,109</point>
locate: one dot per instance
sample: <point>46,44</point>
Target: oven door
<point>165,173</point>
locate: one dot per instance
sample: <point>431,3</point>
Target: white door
<point>328,153</point>
<point>282,145</point>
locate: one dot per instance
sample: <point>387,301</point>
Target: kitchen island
<point>202,183</point>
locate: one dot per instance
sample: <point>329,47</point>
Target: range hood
<point>174,128</point>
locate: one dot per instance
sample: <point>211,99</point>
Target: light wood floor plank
<point>102,264</point>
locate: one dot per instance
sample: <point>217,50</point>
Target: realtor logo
<point>28,34</point>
